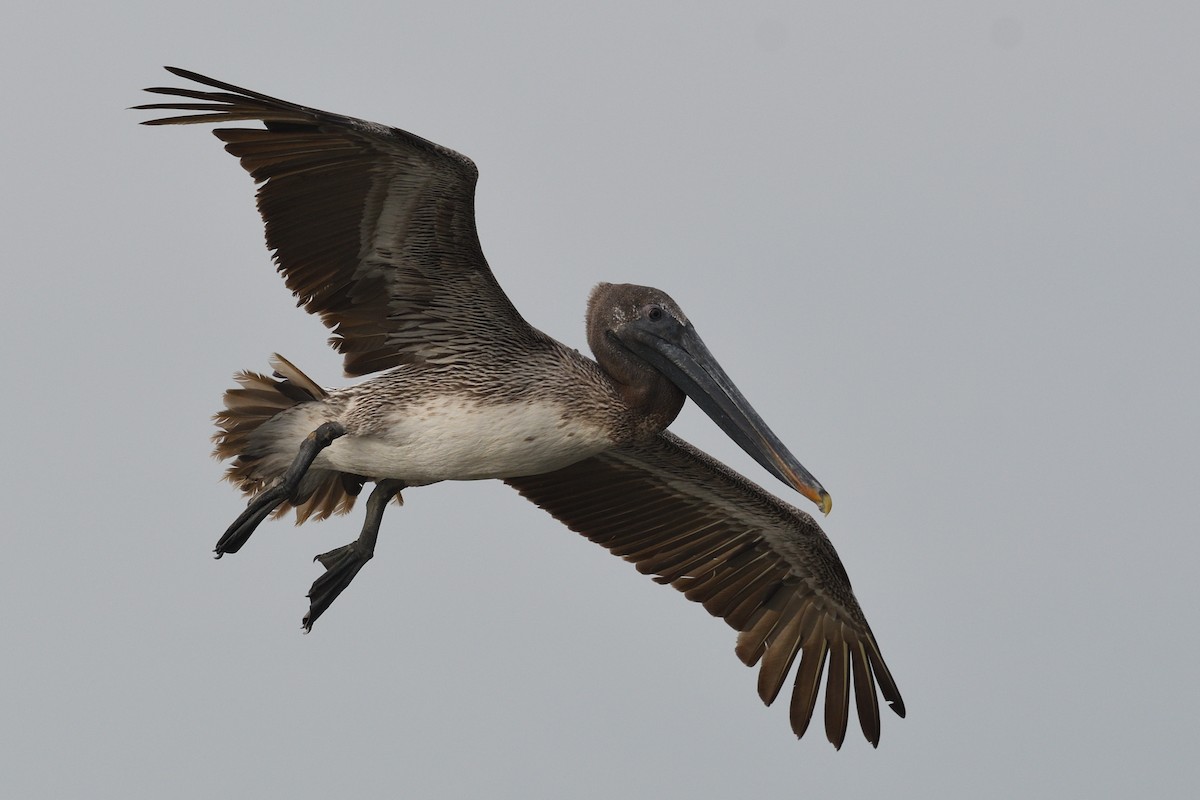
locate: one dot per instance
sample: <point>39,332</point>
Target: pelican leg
<point>261,506</point>
<point>342,564</point>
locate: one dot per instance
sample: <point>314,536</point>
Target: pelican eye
<point>654,313</point>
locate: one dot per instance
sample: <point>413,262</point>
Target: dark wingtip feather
<point>837,692</point>
<point>187,74</point>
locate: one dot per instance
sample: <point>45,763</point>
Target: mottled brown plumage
<point>373,229</point>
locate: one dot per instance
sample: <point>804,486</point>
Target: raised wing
<point>764,567</point>
<point>373,228</point>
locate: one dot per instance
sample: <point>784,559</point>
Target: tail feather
<point>257,465</point>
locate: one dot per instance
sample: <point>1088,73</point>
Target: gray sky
<point>963,242</point>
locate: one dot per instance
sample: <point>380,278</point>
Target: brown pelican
<point>373,229</point>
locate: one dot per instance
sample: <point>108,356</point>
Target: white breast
<point>464,439</point>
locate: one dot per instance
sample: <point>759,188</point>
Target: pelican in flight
<point>373,229</point>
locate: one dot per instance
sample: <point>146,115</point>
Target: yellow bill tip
<point>826,502</point>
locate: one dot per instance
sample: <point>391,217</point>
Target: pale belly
<point>462,439</point>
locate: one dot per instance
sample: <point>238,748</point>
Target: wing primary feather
<point>777,658</point>
<point>808,681</point>
<point>864,694</point>
<point>837,688</point>
<point>883,677</point>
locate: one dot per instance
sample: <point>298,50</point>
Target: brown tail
<point>257,461</point>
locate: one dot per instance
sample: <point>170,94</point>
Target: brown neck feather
<point>646,391</point>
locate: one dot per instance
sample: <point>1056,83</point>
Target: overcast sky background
<point>948,250</point>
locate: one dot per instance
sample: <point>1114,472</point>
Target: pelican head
<point>646,344</point>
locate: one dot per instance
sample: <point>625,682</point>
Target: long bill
<point>690,365</point>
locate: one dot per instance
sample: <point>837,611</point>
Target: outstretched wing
<point>373,228</point>
<point>748,557</point>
